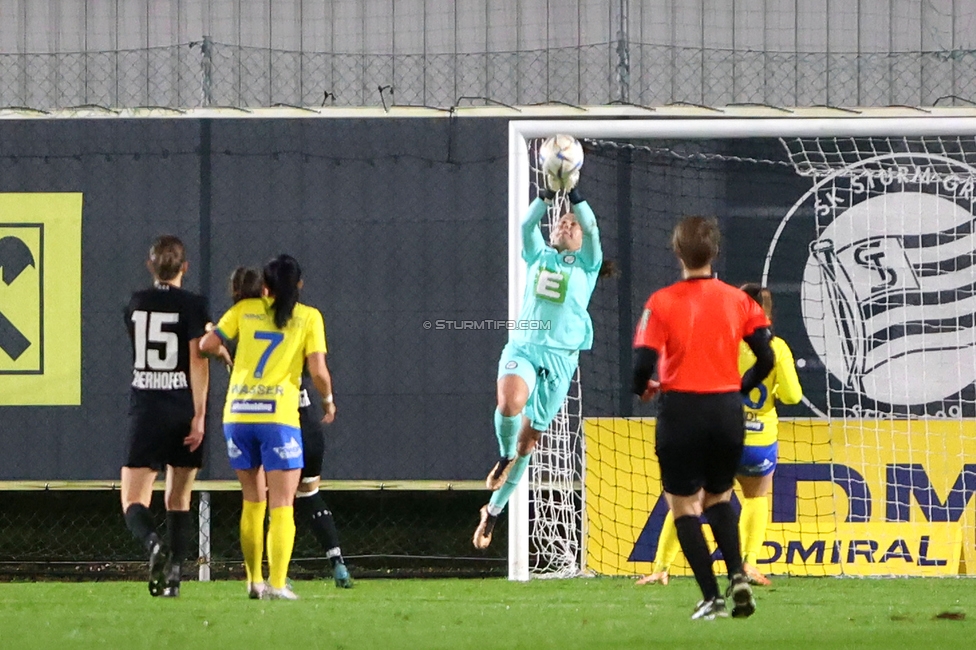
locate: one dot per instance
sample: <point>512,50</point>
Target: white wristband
<point>327,399</point>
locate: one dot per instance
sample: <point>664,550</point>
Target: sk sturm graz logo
<point>889,286</point>
<point>40,299</point>
<point>22,302</point>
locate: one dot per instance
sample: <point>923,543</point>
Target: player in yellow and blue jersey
<point>755,474</point>
<point>276,335</point>
<point>311,511</point>
<point>758,461</point>
<point>540,359</point>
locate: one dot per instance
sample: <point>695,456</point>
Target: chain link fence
<point>81,535</point>
<point>208,73</point>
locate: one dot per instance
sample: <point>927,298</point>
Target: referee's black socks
<point>725,528</point>
<point>693,545</point>
<point>311,512</point>
<point>139,521</point>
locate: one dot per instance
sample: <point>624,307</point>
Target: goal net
<point>864,231</point>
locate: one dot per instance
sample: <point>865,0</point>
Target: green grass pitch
<point>484,614</point>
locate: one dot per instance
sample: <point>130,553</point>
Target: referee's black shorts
<point>156,438</point>
<point>313,442</point>
<point>699,441</point>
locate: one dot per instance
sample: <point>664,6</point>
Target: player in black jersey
<point>168,407</point>
<point>310,509</point>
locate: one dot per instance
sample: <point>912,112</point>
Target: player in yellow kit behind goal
<point>755,472</point>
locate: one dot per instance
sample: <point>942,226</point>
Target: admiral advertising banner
<point>857,498</point>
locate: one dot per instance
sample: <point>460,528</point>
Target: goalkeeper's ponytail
<point>281,276</point>
<point>608,269</point>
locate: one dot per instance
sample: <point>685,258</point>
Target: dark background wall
<point>139,179</point>
<point>396,222</point>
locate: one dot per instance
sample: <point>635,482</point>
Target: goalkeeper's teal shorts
<point>547,372</point>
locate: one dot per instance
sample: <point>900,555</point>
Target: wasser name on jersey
<point>259,389</point>
<point>156,380</point>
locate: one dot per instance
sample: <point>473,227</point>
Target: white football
<point>560,158</point>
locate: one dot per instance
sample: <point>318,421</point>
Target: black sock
<point>311,512</point>
<point>725,527</point>
<point>140,523</point>
<point>693,545</point>
<point>177,525</point>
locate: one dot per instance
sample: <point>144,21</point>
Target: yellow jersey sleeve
<point>788,389</point>
<point>229,325</point>
<point>762,421</point>
<point>314,333</point>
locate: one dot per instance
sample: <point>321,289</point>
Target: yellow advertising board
<point>857,497</point>
<point>40,299</point>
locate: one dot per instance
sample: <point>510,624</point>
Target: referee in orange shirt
<point>690,333</point>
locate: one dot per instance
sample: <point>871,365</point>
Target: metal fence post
<point>206,50</point>
<point>623,53</point>
<point>204,537</point>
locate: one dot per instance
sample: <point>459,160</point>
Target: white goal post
<point>521,134</point>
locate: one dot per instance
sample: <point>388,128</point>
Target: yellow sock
<point>667,545</point>
<point>752,527</point>
<point>281,541</point>
<point>252,539</point>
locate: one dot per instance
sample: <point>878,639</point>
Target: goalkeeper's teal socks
<point>506,430</point>
<point>500,497</point>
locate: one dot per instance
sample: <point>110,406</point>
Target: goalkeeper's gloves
<point>547,194</point>
<point>559,183</point>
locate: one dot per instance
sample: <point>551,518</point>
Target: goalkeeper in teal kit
<point>540,359</point>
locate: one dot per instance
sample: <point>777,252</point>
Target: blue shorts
<point>758,461</point>
<point>546,371</point>
<point>275,446</point>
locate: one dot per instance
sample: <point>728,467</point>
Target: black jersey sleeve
<point>310,401</point>
<point>197,318</point>
<point>758,342</point>
<point>127,315</point>
<point>645,363</point>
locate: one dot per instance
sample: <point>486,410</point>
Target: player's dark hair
<point>696,241</point>
<point>281,276</point>
<point>166,256</point>
<point>608,269</point>
<point>245,283</point>
<point>762,295</point>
